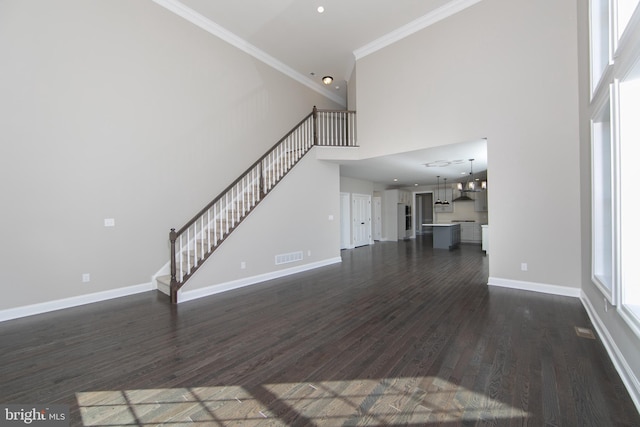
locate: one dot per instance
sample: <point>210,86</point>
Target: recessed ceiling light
<point>320,9</point>
<point>327,80</point>
<point>395,179</point>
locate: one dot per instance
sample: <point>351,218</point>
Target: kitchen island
<point>445,236</point>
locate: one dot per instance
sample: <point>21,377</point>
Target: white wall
<point>294,217</point>
<point>120,109</point>
<point>352,96</point>
<point>358,186</point>
<point>505,70</point>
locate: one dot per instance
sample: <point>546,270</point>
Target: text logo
<point>36,415</point>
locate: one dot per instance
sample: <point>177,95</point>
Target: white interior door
<point>361,224</point>
<point>377,218</point>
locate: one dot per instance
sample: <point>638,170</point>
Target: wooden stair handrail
<point>242,175</point>
<point>173,234</point>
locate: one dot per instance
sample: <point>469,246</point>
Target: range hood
<point>470,185</point>
<point>463,198</point>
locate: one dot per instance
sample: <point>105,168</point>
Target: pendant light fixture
<point>470,185</point>
<point>446,202</point>
<point>438,202</point>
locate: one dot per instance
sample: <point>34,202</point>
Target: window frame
<point>617,87</point>
<point>604,108</point>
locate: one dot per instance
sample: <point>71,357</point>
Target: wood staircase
<point>193,243</point>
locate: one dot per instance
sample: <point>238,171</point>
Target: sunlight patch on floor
<point>324,403</point>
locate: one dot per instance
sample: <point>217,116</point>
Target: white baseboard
<point>45,307</point>
<point>187,295</point>
<point>535,287</point>
<point>630,381</point>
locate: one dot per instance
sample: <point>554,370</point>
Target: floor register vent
<point>585,333</point>
<point>287,258</point>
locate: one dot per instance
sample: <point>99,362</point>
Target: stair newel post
<point>174,282</point>
<point>315,125</point>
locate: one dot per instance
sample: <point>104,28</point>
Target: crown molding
<point>213,28</point>
<point>412,27</point>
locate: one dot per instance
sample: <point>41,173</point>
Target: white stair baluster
<point>188,251</point>
<point>179,255</point>
<point>202,231</point>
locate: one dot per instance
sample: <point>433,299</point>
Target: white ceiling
<point>410,168</point>
<point>291,35</point>
<point>293,32</point>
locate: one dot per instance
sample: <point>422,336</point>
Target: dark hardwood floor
<point>397,334</point>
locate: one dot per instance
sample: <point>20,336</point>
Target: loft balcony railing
<point>194,242</point>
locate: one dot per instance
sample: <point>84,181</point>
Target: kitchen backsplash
<point>461,211</point>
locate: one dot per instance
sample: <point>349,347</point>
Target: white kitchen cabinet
<point>394,218</point>
<point>480,201</point>
<point>443,208</point>
<point>448,195</point>
<point>470,232</point>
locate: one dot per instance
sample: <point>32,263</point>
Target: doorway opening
<point>423,203</point>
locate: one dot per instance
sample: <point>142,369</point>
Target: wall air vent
<point>287,258</point>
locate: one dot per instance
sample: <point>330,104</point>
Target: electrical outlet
<point>309,253</point>
<point>86,278</point>
<point>524,266</point>
<point>243,265</point>
<point>109,222</point>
